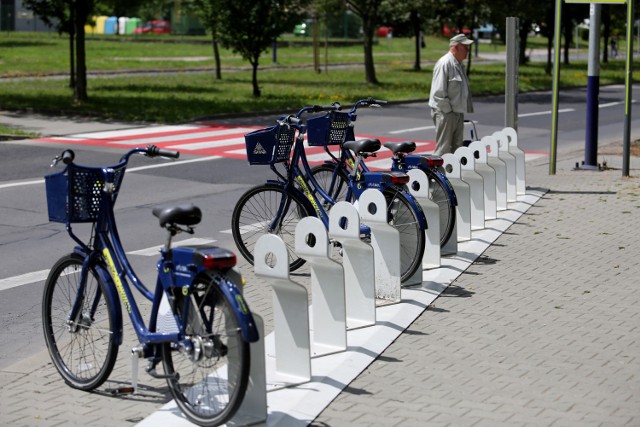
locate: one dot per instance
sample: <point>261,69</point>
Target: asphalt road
<point>29,244</point>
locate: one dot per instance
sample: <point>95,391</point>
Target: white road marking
<point>23,279</point>
<point>155,250</point>
<point>37,276</point>
<point>542,113</point>
<point>411,129</point>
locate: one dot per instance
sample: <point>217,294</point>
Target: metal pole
<point>626,143</point>
<point>511,74</point>
<point>556,79</point>
<point>593,90</point>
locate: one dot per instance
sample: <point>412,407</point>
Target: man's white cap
<point>459,39</point>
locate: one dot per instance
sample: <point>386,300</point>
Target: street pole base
<point>582,167</point>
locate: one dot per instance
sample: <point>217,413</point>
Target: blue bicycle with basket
<point>199,326</point>
<point>336,127</point>
<point>278,205</point>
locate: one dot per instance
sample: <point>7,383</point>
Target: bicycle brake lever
<point>55,161</point>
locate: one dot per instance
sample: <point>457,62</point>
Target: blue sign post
<point>593,85</point>
<point>593,91</point>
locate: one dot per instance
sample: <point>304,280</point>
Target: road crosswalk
<point>209,139</point>
<point>217,140</point>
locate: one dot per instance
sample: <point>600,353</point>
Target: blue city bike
<point>199,326</point>
<point>336,127</point>
<point>278,205</point>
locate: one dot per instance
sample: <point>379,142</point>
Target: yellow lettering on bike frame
<point>116,279</point>
<point>305,190</point>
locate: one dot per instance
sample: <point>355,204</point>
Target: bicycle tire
<point>84,352</point>
<point>253,213</point>
<point>403,217</point>
<point>439,194</point>
<point>209,380</point>
<point>323,174</point>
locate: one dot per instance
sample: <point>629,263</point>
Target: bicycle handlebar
<point>68,156</point>
<point>319,108</point>
<point>367,102</point>
<point>153,151</point>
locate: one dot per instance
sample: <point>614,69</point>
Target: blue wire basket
<point>74,195</point>
<point>333,128</point>
<point>270,145</point>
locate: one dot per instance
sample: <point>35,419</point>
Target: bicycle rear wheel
<point>208,375</point>
<point>83,350</point>
<point>402,216</point>
<point>254,214</point>
<point>439,194</point>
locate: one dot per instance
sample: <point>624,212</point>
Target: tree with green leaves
<point>369,13</point>
<point>57,14</point>
<point>208,11</point>
<point>71,17</point>
<point>250,27</point>
<point>414,13</point>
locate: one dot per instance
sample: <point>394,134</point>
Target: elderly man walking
<point>450,95</point>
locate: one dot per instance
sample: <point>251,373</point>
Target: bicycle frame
<point>175,271</point>
<point>295,175</point>
<point>303,177</point>
<point>400,163</point>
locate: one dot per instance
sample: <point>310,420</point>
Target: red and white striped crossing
<point>208,139</point>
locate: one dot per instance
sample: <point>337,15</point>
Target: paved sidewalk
<point>543,329</point>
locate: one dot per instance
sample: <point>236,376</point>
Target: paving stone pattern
<point>542,330</point>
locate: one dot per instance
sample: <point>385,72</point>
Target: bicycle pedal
<point>119,391</point>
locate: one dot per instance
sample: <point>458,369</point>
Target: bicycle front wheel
<point>256,212</point>
<point>404,218</point>
<point>333,181</point>
<point>209,371</point>
<point>439,194</point>
<point>83,349</point>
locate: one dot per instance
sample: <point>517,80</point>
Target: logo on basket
<point>259,150</point>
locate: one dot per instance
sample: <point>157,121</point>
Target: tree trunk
<point>72,54</point>
<point>606,21</point>
<point>549,60</point>
<point>567,26</point>
<point>72,62</point>
<point>216,55</point>
<point>80,91</point>
<point>254,78</point>
<point>415,20</point>
<point>522,47</point>
<point>369,67</point>
<point>550,17</point>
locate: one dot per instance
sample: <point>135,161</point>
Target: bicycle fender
<point>114,302</point>
<point>418,209</point>
<point>442,177</point>
<point>240,309</point>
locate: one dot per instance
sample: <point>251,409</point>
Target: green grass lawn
<point>8,132</point>
<point>180,97</point>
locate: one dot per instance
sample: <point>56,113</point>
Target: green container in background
<point>132,24</point>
